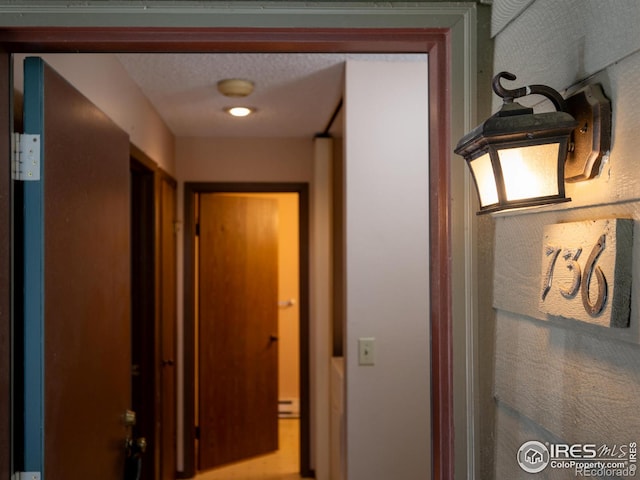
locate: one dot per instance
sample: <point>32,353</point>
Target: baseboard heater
<point>288,408</point>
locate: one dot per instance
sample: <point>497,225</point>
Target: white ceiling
<point>295,94</point>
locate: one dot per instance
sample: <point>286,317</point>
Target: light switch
<point>366,351</point>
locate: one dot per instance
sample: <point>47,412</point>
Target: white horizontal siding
<point>504,11</point>
<point>557,379</point>
<point>514,429</point>
<point>559,43</point>
<point>582,388</point>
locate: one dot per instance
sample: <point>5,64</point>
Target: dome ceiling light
<point>237,88</point>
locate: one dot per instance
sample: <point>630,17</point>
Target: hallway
<point>281,465</point>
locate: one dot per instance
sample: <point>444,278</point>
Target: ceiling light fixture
<point>235,87</point>
<point>521,159</point>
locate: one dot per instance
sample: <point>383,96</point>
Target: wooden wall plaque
<point>586,271</point>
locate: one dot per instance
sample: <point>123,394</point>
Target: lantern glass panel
<point>485,179</point>
<point>530,171</point>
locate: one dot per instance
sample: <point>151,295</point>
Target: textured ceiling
<point>295,94</point>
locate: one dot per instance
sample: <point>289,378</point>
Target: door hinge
<point>197,433</point>
<point>25,157</point>
<point>197,229</point>
<point>26,476</point>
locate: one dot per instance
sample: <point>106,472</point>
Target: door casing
<point>446,39</point>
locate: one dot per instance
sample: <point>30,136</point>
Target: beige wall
<point>244,160</point>
<point>558,380</point>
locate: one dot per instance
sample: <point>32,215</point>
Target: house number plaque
<point>586,271</point>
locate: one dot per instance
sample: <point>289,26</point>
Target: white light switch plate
<point>366,351</point>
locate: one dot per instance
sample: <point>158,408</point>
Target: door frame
<point>190,191</point>
<point>447,32</point>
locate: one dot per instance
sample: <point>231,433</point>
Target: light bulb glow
<point>240,111</point>
<point>485,180</point>
<point>530,171</point>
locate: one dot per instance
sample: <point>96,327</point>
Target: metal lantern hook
<point>509,95</point>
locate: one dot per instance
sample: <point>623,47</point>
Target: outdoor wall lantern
<point>521,159</point>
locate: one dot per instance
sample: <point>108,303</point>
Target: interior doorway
<point>245,315</point>
<point>440,46</point>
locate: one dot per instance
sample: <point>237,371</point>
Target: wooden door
<point>77,284</point>
<point>167,193</point>
<point>238,351</point>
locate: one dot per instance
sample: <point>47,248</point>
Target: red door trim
<point>435,42</point>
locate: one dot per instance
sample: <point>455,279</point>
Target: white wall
<point>558,380</point>
<point>387,265</point>
<point>102,79</point>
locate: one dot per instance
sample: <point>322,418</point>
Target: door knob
<point>273,338</point>
<point>141,444</point>
<point>129,418</point>
<point>287,303</point>
<point>137,446</point>
<point>133,460</point>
